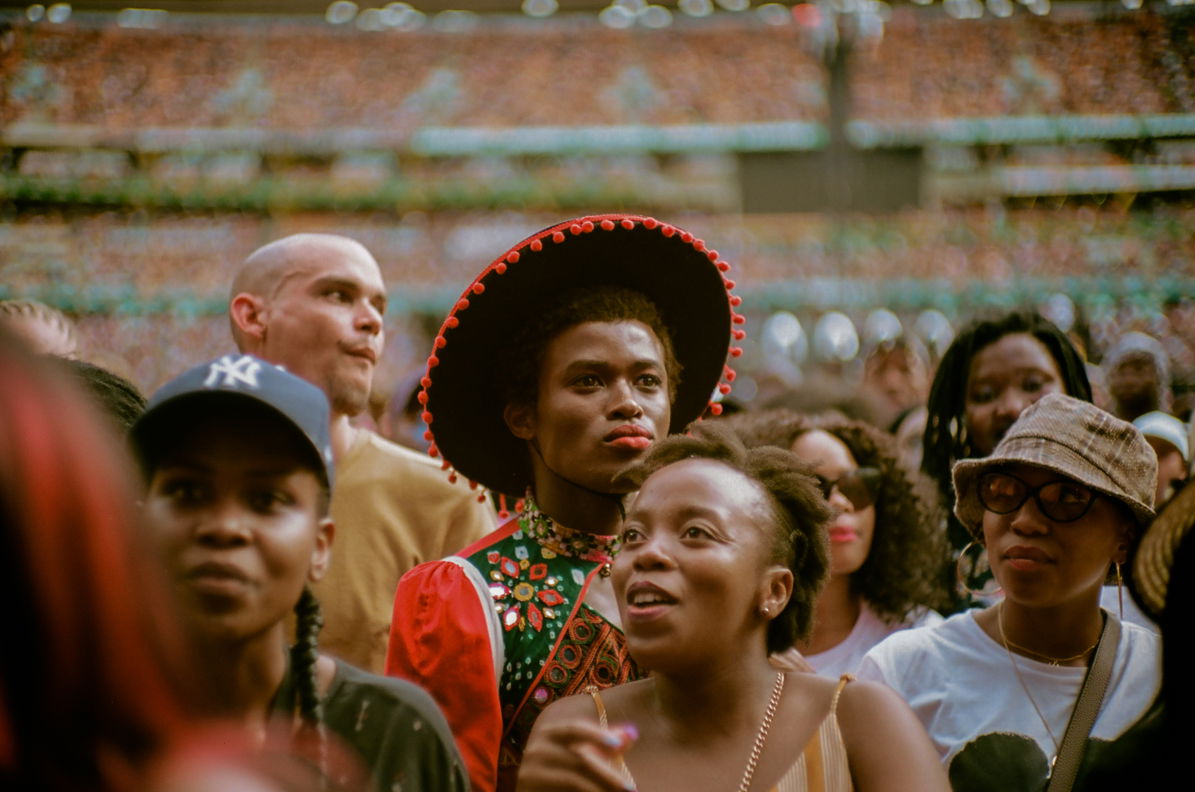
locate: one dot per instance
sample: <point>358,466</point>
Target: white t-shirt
<point>868,631</point>
<point>961,685</point>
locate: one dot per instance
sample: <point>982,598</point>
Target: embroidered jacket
<point>500,631</point>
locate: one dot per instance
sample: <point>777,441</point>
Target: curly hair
<point>800,513</point>
<point>903,569</point>
<point>521,360</point>
<point>946,440</point>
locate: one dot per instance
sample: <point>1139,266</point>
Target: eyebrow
<point>606,364</point>
<point>356,286</point>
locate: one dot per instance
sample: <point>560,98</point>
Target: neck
<point>1060,632</point>
<point>737,691</point>
<point>834,615</point>
<point>243,676</point>
<point>576,507</point>
<point>342,434</point>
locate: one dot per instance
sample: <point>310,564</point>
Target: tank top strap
<point>596,695</point>
<point>842,680</point>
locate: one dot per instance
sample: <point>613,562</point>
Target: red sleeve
<point>439,641</point>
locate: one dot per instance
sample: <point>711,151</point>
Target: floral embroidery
<point>558,540</point>
<point>519,600</point>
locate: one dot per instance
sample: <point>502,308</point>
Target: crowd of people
<point>604,573</point>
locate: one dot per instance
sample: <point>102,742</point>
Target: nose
<point>623,402</point>
<point>223,525</point>
<point>1029,521</point>
<point>369,318</point>
<point>841,503</point>
<point>1011,404</point>
<point>651,554</point>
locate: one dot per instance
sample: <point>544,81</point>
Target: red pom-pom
<point>503,514</point>
<point>736,351</point>
<point>427,417</point>
<point>519,504</point>
<point>481,498</point>
<point>432,451</point>
<point>730,374</point>
<point>628,224</point>
<point>472,484</point>
<point>607,225</point>
<point>587,226</point>
<point>452,478</point>
<point>558,237</point>
<point>739,335</point>
<point>738,319</point>
<point>422,397</point>
<point>426,382</point>
<point>729,284</point>
<point>445,465</point>
<point>712,255</point>
<point>500,268</point>
<point>724,389</point>
<point>462,304</point>
<point>667,231</point>
<point>716,408</point>
<point>575,229</point>
<point>452,321</point>
<point>428,436</point>
<point>736,300</point>
<point>513,257</point>
<point>439,343</point>
<point>686,237</point>
<point>432,362</point>
<point>699,245</point>
<point>650,223</point>
<point>478,288</point>
<point>536,245</point>
<point>723,266</point>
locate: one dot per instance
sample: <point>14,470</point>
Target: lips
<point>630,436</point>
<point>842,534</point>
<point>217,579</point>
<point>363,352</point>
<point>647,601</point>
<point>1026,557</point>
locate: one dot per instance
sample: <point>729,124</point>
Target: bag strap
<point>1087,707</point>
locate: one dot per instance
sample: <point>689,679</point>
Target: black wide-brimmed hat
<point>679,273</point>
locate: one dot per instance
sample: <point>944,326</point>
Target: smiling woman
<point>1056,504</point>
<point>569,357</point>
<point>724,553</point>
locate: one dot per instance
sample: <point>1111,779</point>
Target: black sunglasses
<point>1061,500</point>
<point>859,486</point>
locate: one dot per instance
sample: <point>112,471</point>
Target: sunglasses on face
<point>1062,500</point>
<point>859,486</point>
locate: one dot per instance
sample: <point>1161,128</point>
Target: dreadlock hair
<point>800,511</point>
<point>902,571</point>
<point>946,440</point>
<point>312,736</point>
<point>17,315</point>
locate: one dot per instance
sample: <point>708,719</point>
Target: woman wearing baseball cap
<point>1011,694</point>
<point>560,365</point>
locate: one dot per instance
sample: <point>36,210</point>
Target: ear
<point>520,420</point>
<point>321,553</point>
<point>1121,555</point>
<point>775,589</point>
<point>248,314</point>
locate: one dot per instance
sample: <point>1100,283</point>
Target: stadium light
<point>735,5</point>
<point>58,13</point>
<point>616,17</point>
<point>696,8</point>
<point>35,12</point>
<point>340,12</point>
<point>774,14</point>
<point>540,8</point>
<point>656,17</point>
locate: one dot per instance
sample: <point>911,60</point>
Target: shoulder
<point>919,653</point>
<point>399,700</point>
<point>378,450</point>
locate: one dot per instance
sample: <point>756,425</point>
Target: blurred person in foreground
<point>313,303</point>
<point>238,466</point>
<point>1004,691</point>
<point>723,556</point>
<point>887,540</point>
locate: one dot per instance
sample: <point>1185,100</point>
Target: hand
<point>575,756</point>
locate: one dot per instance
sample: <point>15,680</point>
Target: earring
<point>973,570</point>
<point>765,610</point>
<point>1119,591</point>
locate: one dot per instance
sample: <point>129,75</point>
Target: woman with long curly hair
<point>887,548</point>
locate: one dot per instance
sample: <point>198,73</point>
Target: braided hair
<point>946,439</point>
<point>801,513</point>
<point>312,736</point>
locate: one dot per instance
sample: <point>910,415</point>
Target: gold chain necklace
<point>1054,661</point>
<point>761,737</point>
<point>1016,670</point>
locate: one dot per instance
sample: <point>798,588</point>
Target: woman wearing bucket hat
<point>1010,694</point>
<point>557,369</point>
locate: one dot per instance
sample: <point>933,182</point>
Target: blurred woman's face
<point>1006,376</point>
<point>696,553</point>
<point>853,528</point>
<point>1041,561</point>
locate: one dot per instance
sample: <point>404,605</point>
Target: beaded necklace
<point>598,548</point>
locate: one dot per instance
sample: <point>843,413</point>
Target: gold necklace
<point>1054,661</point>
<point>1016,670</point>
<point>761,737</point>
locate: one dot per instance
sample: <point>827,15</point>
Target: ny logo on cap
<point>236,372</point>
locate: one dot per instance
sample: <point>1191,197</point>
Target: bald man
<point>313,303</point>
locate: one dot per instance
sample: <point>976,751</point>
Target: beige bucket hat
<point>1075,439</point>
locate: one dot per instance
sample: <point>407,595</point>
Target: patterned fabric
<point>823,765</point>
<point>553,644</point>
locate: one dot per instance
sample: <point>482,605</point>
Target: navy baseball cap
<point>228,382</point>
